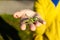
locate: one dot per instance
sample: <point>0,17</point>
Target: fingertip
<point>23,26</point>
<point>17,14</point>
<point>32,27</point>
<point>44,22</point>
<point>37,23</point>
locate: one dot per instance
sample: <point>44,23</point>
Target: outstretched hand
<point>29,17</point>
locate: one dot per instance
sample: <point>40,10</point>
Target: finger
<point>23,23</point>
<point>32,27</point>
<point>42,21</point>
<point>39,19</point>
<point>23,26</point>
<point>23,20</point>
<point>18,14</point>
<point>37,23</point>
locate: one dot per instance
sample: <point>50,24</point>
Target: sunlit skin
<point>30,15</point>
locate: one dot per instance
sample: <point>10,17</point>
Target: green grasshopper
<point>31,20</point>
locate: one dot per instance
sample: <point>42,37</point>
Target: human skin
<point>27,13</point>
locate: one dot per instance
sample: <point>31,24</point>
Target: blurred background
<point>10,6</point>
<point>9,26</point>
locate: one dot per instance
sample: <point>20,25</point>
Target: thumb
<point>18,14</point>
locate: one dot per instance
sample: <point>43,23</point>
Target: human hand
<point>29,17</point>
